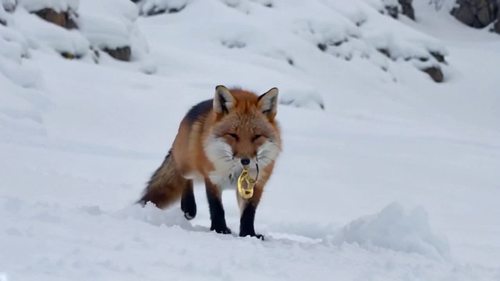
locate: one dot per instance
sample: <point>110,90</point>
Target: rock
<point>484,17</point>
<point>496,26</point>
<point>464,14</point>
<point>407,8</point>
<point>155,7</point>
<point>155,11</point>
<point>435,73</point>
<point>120,53</point>
<point>392,11</point>
<point>422,62</point>
<point>231,44</point>
<point>438,56</point>
<point>70,56</point>
<point>64,19</point>
<point>385,52</point>
<point>476,13</point>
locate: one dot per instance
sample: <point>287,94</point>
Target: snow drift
<point>396,229</point>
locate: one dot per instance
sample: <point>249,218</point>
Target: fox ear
<point>223,100</point>
<point>268,103</point>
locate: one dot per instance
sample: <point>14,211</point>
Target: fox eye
<point>234,136</point>
<point>256,137</point>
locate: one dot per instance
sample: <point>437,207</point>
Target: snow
<point>395,178</point>
<point>393,228</point>
<point>8,5</point>
<point>57,5</point>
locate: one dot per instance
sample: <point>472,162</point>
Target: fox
<point>216,140</point>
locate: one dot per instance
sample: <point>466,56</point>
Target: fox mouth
<point>252,168</point>
<point>226,164</point>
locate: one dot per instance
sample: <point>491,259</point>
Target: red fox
<point>217,139</point>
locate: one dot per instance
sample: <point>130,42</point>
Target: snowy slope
<point>396,179</point>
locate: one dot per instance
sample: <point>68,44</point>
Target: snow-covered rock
<point>110,26</point>
<point>477,13</point>
<point>77,29</point>
<point>44,35</point>
<point>304,99</point>
<point>397,7</point>
<point>3,16</point>
<point>56,5</point>
<point>155,7</point>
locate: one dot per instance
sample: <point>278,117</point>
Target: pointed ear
<point>268,103</point>
<point>223,100</point>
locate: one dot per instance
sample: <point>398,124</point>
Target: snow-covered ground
<point>396,179</point>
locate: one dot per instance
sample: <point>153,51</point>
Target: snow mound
<point>396,229</point>
<point>152,215</point>
<point>304,99</point>
<point>8,5</point>
<point>56,5</point>
<point>22,104</point>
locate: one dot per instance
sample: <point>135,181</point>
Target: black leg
<point>247,221</point>
<point>216,210</point>
<point>188,203</point>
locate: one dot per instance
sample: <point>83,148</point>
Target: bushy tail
<point>166,185</point>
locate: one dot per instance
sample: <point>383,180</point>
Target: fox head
<point>245,132</point>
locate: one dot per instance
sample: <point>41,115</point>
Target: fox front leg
<point>248,209</point>
<point>217,215</point>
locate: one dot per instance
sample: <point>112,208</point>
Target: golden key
<point>245,184</point>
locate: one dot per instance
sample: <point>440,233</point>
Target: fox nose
<point>245,161</point>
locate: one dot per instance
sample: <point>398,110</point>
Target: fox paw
<point>221,229</point>
<point>189,216</point>
<point>258,236</point>
<point>188,206</point>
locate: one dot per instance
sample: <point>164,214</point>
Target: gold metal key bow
<point>245,184</point>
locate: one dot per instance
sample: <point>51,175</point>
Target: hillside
<point>387,173</point>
